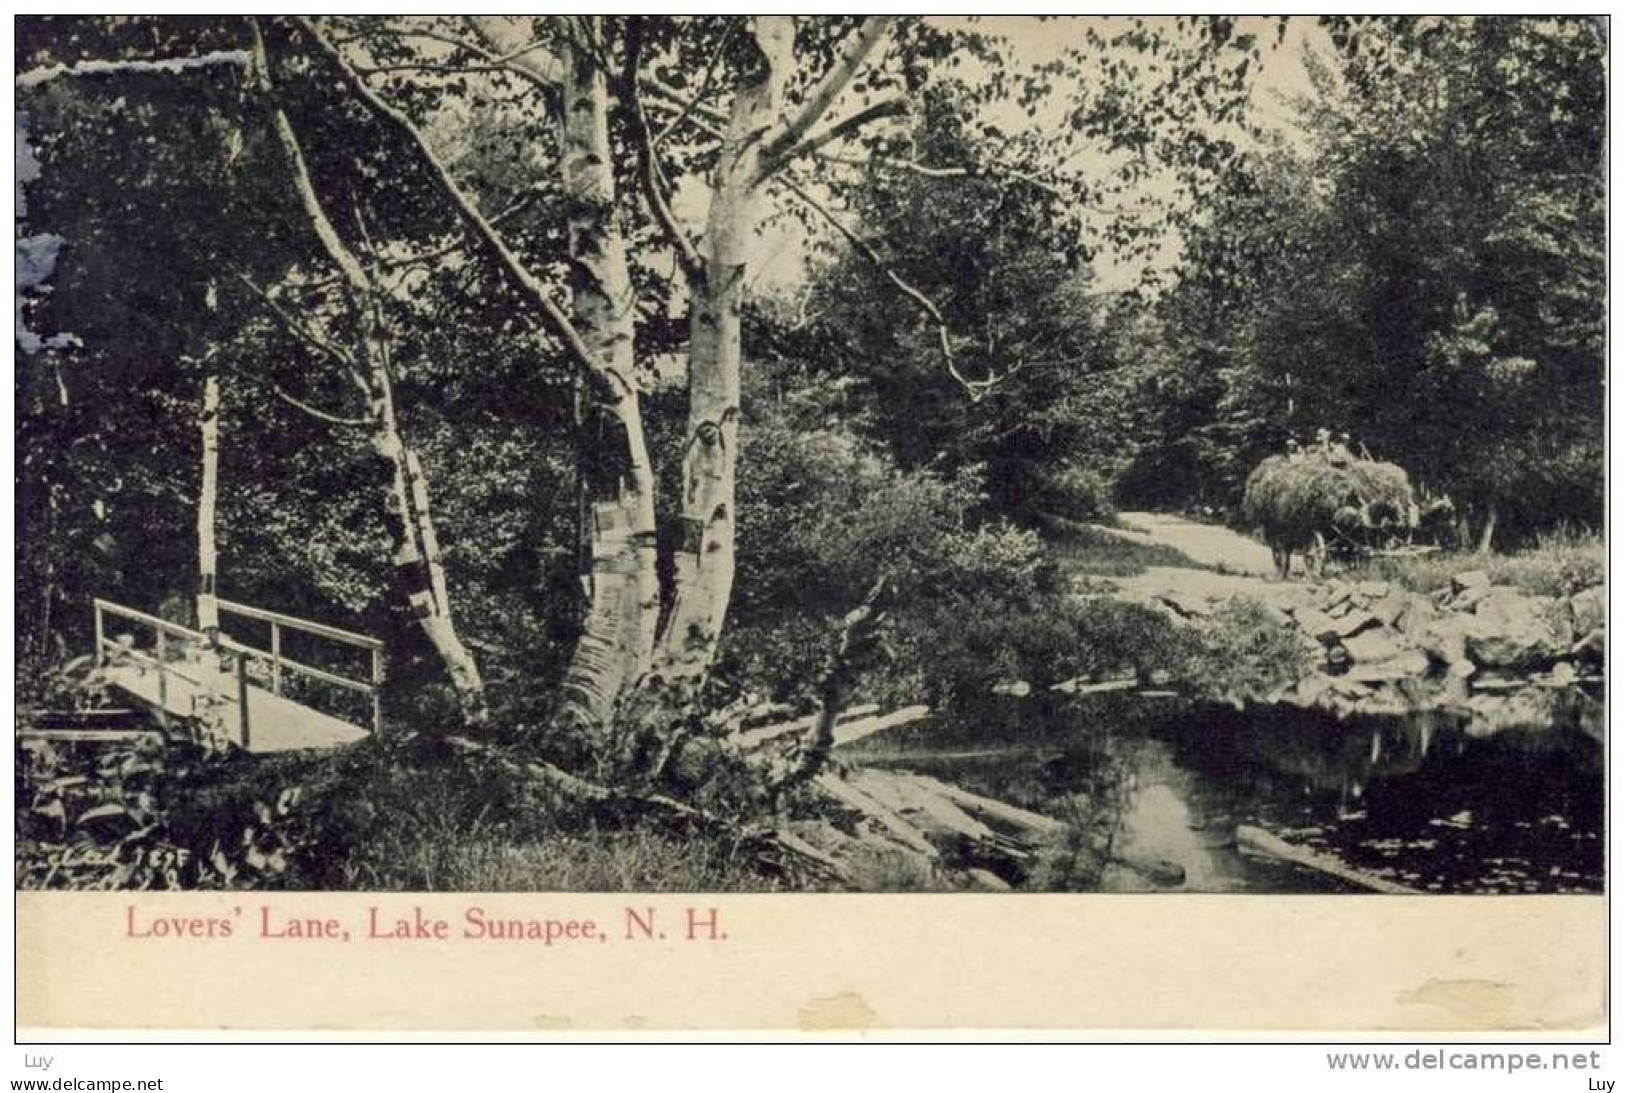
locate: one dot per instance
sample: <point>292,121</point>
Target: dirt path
<point>1204,544</point>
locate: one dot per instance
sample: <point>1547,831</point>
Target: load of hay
<point>1325,500</point>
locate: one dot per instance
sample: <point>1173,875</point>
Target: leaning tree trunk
<point>617,478</point>
<point>704,562</point>
<point>405,508</point>
<point>419,573</point>
<point>208,611</point>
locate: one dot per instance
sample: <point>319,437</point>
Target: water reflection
<point>1157,794</point>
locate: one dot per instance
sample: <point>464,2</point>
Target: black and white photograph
<point>679,453</point>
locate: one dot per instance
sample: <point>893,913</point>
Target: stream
<point>1418,800</point>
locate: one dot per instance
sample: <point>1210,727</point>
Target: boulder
<point>1373,590</point>
<point>1317,624</point>
<point>1589,609</point>
<point>1187,605</point>
<point>1355,621</point>
<point>1468,599</point>
<point>1375,645</point>
<point>1381,655</point>
<point>1444,638</point>
<point>1390,607</point>
<point>1593,648</point>
<point>1336,593</point>
<point>1510,630</point>
<point>1469,578</point>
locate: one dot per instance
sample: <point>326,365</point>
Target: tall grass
<point>1560,563</point>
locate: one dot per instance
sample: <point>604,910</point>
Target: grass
<point>1560,563</point>
<point>1090,551</point>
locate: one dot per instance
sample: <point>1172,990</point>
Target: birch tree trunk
<point>208,613</point>
<point>419,576</point>
<point>704,562</point>
<point>617,478</point>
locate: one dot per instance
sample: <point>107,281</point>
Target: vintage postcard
<point>810,524</point>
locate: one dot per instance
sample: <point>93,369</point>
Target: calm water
<point>1419,800</point>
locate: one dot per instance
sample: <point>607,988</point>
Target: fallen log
<point>862,803</point>
<point>852,731</point>
<point>756,737</point>
<point>910,799</point>
<point>1080,686</point>
<point>987,808</point>
<point>1257,839</point>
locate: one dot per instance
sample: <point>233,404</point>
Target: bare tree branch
<point>651,177</point>
<point>169,66</point>
<point>521,278</point>
<point>884,108</point>
<point>321,415</point>
<point>828,89</point>
<point>711,69</point>
<point>303,331</point>
<point>993,171</point>
<point>975,388</point>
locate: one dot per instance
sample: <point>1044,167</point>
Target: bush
<point>1076,493</point>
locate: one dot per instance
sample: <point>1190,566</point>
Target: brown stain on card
<point>1473,1003</point>
<point>846,1010</point>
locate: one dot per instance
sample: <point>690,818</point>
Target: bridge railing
<point>278,663</point>
<point>168,634</point>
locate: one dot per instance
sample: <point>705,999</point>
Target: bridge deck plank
<point>275,723</point>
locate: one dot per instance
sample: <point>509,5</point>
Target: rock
<point>1560,617</point>
<point>1317,624</point>
<point>1563,674</point>
<point>1373,590</point>
<point>1336,593</point>
<point>1593,648</point>
<point>1509,630</point>
<point>1469,578</point>
<point>1418,615</point>
<point>1390,607</point>
<point>1496,685</point>
<point>1374,645</point>
<point>1444,638</point>
<point>1186,604</point>
<point>1354,622</point>
<point>1385,701</point>
<point>1589,609</point>
<point>1337,656</point>
<point>1407,665</point>
<point>1529,708</point>
<point>1469,598</point>
<point>1310,689</point>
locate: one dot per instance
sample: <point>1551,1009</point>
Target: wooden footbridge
<point>236,691</point>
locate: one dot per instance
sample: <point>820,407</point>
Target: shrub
<point>1076,493</point>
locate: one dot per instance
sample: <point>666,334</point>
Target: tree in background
<point>1425,275</point>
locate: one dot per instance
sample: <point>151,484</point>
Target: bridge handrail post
<point>276,658</point>
<point>101,637</point>
<point>242,696</point>
<point>377,693</point>
<point>163,677</point>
